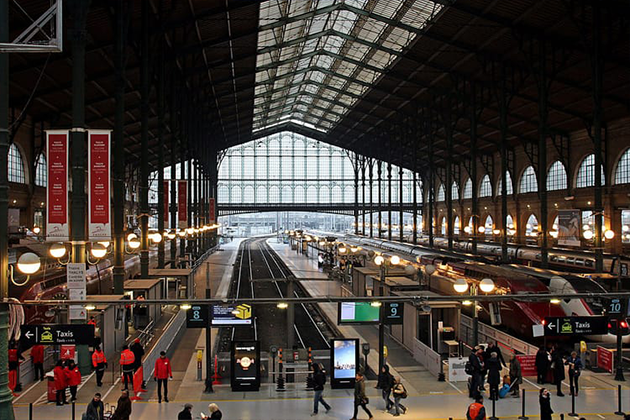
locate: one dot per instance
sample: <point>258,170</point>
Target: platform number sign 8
<point>197,316</point>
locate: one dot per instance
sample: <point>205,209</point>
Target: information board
<point>358,313</point>
<point>605,359</point>
<point>457,369</point>
<point>197,317</point>
<point>394,313</point>
<point>528,364</point>
<point>245,366</point>
<point>344,361</point>
<point>231,315</point>
<point>576,325</point>
<point>57,334</point>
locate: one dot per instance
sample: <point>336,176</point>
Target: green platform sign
<point>357,313</point>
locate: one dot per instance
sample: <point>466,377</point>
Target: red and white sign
<point>67,352</point>
<point>605,359</point>
<point>528,364</point>
<point>182,204</point>
<point>57,226</point>
<point>212,211</point>
<point>99,206</point>
<point>166,212</point>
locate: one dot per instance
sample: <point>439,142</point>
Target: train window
<point>561,258</point>
<point>589,263</point>
<point>570,260</point>
<point>553,258</point>
<point>579,261</point>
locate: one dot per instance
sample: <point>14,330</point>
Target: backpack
<point>468,368</point>
<point>404,393</point>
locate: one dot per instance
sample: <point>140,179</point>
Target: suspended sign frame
<point>99,165</point>
<point>182,204</point>
<point>212,219</point>
<point>57,146</point>
<point>166,203</point>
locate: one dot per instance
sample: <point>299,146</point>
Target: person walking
<point>542,365</point>
<point>476,363</point>
<point>399,392</point>
<point>360,399</point>
<point>95,409</point>
<point>37,358</point>
<point>494,375</point>
<point>127,362</point>
<point>575,369</point>
<point>186,413</point>
<point>61,383</point>
<point>476,410</point>
<point>385,383</point>
<point>123,409</point>
<point>74,379</point>
<point>100,363</point>
<point>516,375</point>
<point>162,373</point>
<point>557,365</point>
<point>545,404</point>
<point>319,378</point>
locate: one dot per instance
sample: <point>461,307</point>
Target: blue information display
<point>344,361</point>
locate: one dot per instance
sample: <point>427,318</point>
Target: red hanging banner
<point>212,219</point>
<point>57,226</point>
<point>166,213</point>
<point>99,206</point>
<point>182,204</point>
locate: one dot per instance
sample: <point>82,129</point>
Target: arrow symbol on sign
<point>551,326</point>
<point>29,335</point>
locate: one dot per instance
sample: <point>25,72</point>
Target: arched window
<point>299,194</point>
<point>261,194</point>
<point>622,173</point>
<point>419,192</point>
<point>528,181</point>
<point>237,196</point>
<point>324,195</point>
<point>441,195</point>
<point>41,173</point>
<point>456,226</point>
<point>16,166</point>
<point>510,225</point>
<point>311,194</point>
<point>485,188</point>
<point>455,191</point>
<point>274,194</point>
<point>223,194</point>
<point>488,225</point>
<point>443,226</point>
<point>508,185</point>
<point>248,194</point>
<point>531,227</point>
<point>468,189</point>
<point>287,194</point>
<point>557,177</point>
<point>586,173</point>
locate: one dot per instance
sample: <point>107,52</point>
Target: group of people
<point>551,365</point>
<point>477,411</point>
<point>487,364</point>
<point>131,361</point>
<point>391,386</point>
<point>66,375</point>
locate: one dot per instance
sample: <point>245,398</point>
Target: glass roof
<point>316,58</point>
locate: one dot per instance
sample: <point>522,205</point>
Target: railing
<point>488,333</point>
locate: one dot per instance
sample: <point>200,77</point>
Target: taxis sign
<point>576,325</point>
<point>57,334</point>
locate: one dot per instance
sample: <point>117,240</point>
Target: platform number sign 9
<point>394,312</point>
<point>197,316</point>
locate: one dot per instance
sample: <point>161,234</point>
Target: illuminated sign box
<point>232,315</point>
<point>357,313</point>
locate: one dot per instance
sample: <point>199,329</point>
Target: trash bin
<point>52,392</point>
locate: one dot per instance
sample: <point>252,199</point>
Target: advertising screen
<point>245,366</point>
<point>231,315</point>
<point>358,313</point>
<point>345,361</point>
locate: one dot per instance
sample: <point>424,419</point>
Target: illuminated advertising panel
<point>245,366</point>
<point>344,361</point>
<point>358,313</point>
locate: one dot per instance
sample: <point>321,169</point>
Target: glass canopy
<point>317,58</point>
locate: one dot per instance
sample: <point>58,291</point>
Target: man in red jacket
<point>162,373</point>
<point>74,379</point>
<point>37,358</point>
<point>100,363</point>
<point>60,383</point>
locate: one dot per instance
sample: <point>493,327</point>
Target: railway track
<point>257,261</point>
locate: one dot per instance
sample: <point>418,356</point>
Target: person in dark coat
<point>493,347</point>
<point>95,409</point>
<point>545,404</point>
<point>319,378</point>
<point>385,384</point>
<point>215,413</point>
<point>138,352</point>
<point>186,413</point>
<point>360,399</point>
<point>494,375</point>
<point>123,409</point>
<point>558,370</point>
<point>477,365</point>
<point>542,364</point>
<point>516,375</point>
<point>575,368</point>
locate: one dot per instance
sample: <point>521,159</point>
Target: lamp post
<point>383,264</point>
<point>461,286</point>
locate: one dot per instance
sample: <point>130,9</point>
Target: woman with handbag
<point>399,392</point>
<point>360,399</point>
<point>575,368</point>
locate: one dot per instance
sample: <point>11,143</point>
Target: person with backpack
<point>360,399</point>
<point>385,384</point>
<point>319,378</point>
<point>400,393</point>
<point>476,410</point>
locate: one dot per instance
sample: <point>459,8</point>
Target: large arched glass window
<point>455,191</point>
<point>443,226</point>
<point>16,166</point>
<point>528,181</point>
<point>485,188</point>
<point>488,225</point>
<point>441,196</point>
<point>622,173</point>
<point>557,177</point>
<point>586,173</point>
<point>456,223</point>
<point>531,227</point>
<point>508,185</point>
<point>41,173</point>
<point>468,189</point>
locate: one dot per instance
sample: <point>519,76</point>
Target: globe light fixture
<point>486,285</point>
<point>379,259</point>
<point>134,243</point>
<point>496,231</point>
<point>131,236</point>
<point>429,269</point>
<point>28,263</point>
<point>342,250</point>
<point>481,229</point>
<point>394,260</point>
<point>588,235</point>
<point>171,235</point>
<point>36,230</point>
<point>609,234</point>
<point>156,238</point>
<point>460,285</point>
<point>58,250</point>
<point>98,250</point>
<point>468,229</point>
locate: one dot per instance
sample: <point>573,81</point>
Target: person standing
<point>215,413</point>
<point>162,373</point>
<point>37,358</point>
<point>360,399</point>
<point>542,365</point>
<point>476,363</point>
<point>95,409</point>
<point>399,392</point>
<point>74,379</point>
<point>319,377</point>
<point>493,347</point>
<point>127,362</point>
<point>385,383</point>
<point>557,364</point>
<point>186,413</point>
<point>138,353</point>
<point>575,369</point>
<point>60,383</point>
<point>494,375</point>
<point>100,363</point>
<point>516,375</point>
<point>545,404</point>
<point>476,410</point>
<point>123,409</point>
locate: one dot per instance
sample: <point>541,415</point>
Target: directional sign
<point>394,313</point>
<point>197,317</point>
<point>57,334</point>
<point>576,325</point>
